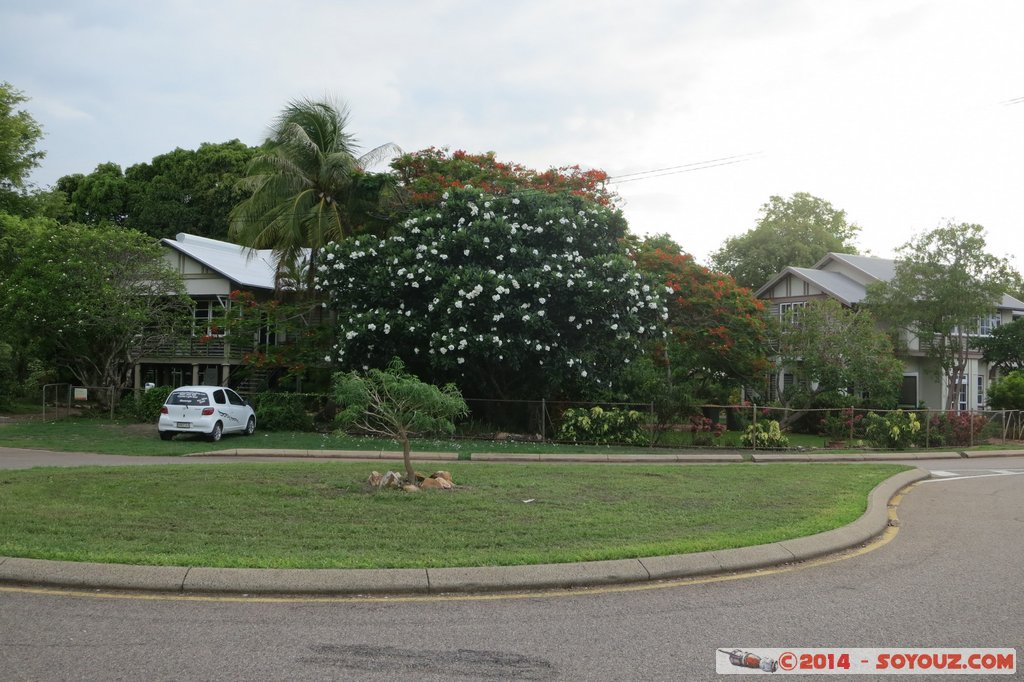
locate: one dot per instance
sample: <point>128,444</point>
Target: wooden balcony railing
<point>198,347</point>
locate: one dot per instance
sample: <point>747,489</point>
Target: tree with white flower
<point>512,296</point>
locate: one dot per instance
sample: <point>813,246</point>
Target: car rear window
<point>188,398</point>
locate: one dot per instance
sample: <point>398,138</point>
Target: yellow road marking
<point>885,538</point>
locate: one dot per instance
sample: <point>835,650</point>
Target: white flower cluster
<point>445,289</point>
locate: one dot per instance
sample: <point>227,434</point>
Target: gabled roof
<point>845,289</point>
<point>835,284</point>
<point>879,269</point>
<point>849,291</point>
<point>1011,303</point>
<point>247,267</point>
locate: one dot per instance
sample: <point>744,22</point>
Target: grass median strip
<point>323,515</point>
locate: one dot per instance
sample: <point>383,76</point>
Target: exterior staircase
<point>254,381</point>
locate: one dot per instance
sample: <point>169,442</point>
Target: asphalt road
<point>951,577</point>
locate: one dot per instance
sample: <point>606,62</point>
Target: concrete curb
<point>668,458</point>
<point>991,453</point>
<point>326,454</point>
<point>338,582</point>
<point>853,457</point>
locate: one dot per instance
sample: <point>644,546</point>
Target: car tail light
<point>207,411</point>
<point>163,410</point>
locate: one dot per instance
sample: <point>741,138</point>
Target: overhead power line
<point>685,168</point>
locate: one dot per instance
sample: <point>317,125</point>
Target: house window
<point>790,312</point>
<point>981,392</point>
<point>205,312</point>
<point>987,324</point>
<point>908,392</point>
<point>961,402</point>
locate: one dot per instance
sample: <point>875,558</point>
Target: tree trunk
<point>410,473</point>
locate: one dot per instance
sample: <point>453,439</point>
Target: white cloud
<point>890,109</point>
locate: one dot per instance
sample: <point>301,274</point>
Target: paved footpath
<point>80,575</point>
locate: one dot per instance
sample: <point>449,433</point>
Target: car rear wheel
<point>218,431</point>
<point>166,435</point>
<point>250,427</point>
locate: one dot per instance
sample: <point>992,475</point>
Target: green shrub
<point>145,406</point>
<point>281,412</point>
<point>601,427</point>
<point>703,431</point>
<point>895,430</point>
<point>954,428</point>
<point>1008,393</point>
<point>765,434</point>
<point>7,376</point>
<point>842,424</point>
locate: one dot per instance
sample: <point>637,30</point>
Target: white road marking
<point>943,473</point>
<point>969,476</point>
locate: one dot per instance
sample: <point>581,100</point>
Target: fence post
<point>543,419</point>
<point>650,440</point>
<point>971,436</point>
<point>753,421</point>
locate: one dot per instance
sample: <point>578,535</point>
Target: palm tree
<point>308,187</point>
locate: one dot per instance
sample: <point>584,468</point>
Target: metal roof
<point>881,269</point>
<point>849,291</point>
<point>247,267</point>
<point>836,284</point>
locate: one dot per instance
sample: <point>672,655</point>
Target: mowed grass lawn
<point>323,515</point>
<point>119,438</point>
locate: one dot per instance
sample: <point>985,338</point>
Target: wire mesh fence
<point>609,423</point>
<point>890,429</point>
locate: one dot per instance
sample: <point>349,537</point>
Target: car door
<point>224,413</point>
<point>239,408</point>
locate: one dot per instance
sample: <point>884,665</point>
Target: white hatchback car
<point>209,410</point>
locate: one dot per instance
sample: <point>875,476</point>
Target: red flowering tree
<point>717,338</point>
<point>427,174</point>
<point>284,338</point>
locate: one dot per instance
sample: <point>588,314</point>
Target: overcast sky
<point>904,113</point>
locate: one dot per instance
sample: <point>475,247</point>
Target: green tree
<point>306,187</point>
<point>1004,347</point>
<point>19,135</point>
<point>8,376</point>
<point>1008,393</point>
<point>395,404</point>
<point>797,232</point>
<point>945,282</point>
<point>99,197</point>
<point>91,300</point>
<point>184,190</point>
<point>187,190</point>
<point>837,355</point>
<point>508,297</point>
<point>300,355</point>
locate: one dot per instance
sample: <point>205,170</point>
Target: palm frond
<point>385,152</point>
<point>307,188</point>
